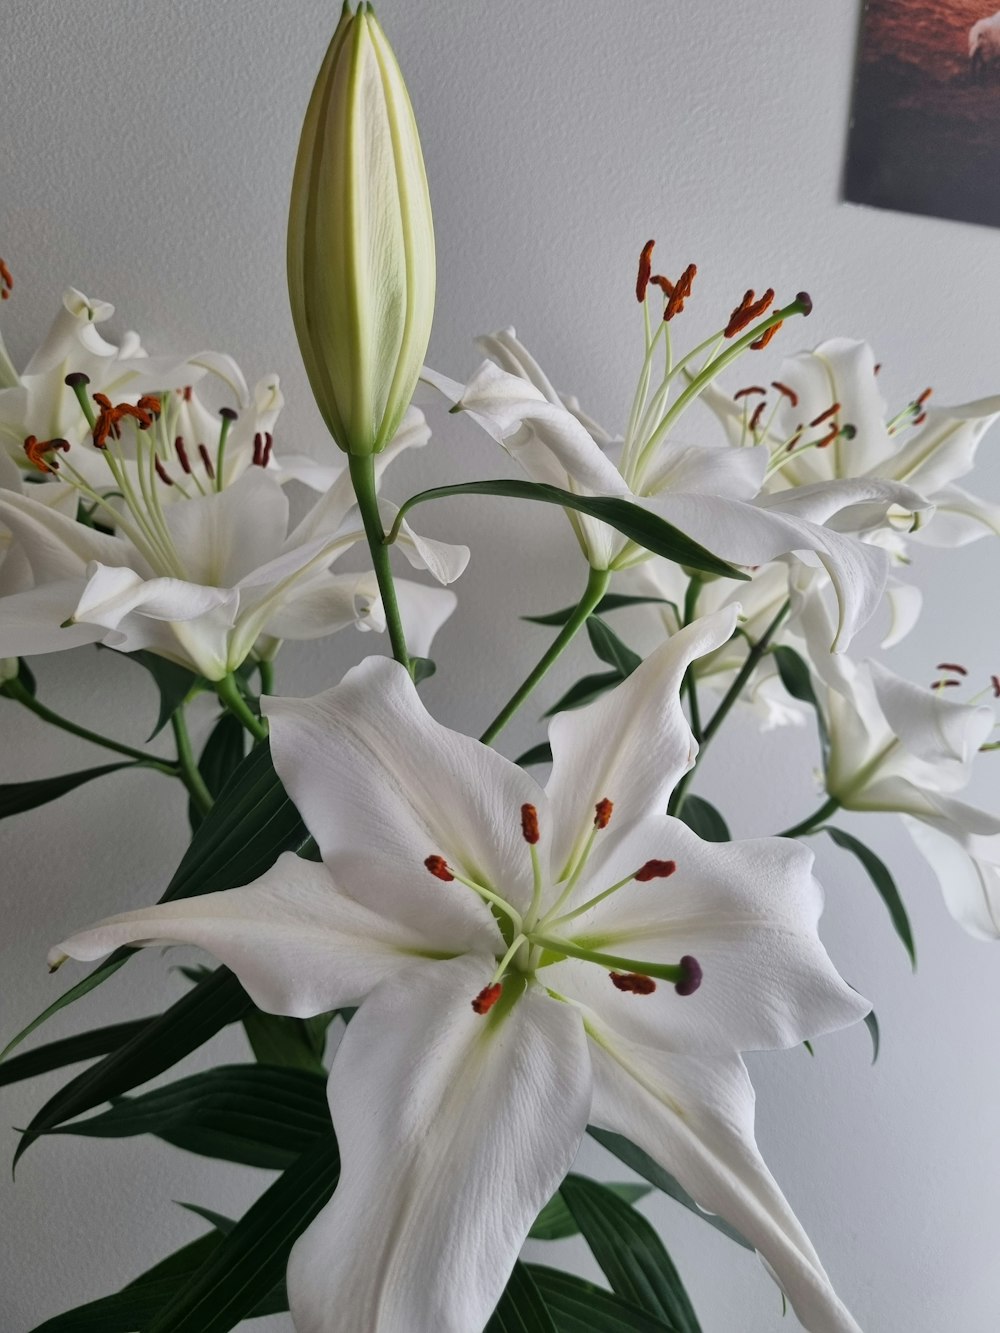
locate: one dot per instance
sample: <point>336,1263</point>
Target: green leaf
<point>255,1115</point>
<point>631,520</point>
<point>16,797</point>
<point>702,818</point>
<point>578,1306</point>
<point>538,754</point>
<point>69,1051</point>
<point>871,1023</point>
<point>630,1253</point>
<point>423,668</point>
<point>174,682</point>
<point>199,1014</point>
<point>217,1220</point>
<point>294,1043</point>
<point>643,1165</point>
<point>556,1222</point>
<point>613,601</point>
<point>250,1261</point>
<point>521,1308</point>
<point>884,883</point>
<point>585,690</point>
<point>224,751</point>
<point>797,680</point>
<point>244,833</point>
<point>609,647</point>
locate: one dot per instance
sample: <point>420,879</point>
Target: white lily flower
<point>542,975</point>
<point>823,419</point>
<point>197,570</point>
<point>711,494</point>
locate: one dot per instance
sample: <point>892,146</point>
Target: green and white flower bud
<point>9,667</point>
<point>361,266</point>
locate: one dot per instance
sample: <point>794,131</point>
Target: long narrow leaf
<point>880,876</point>
<point>248,1264</point>
<point>797,680</point>
<point>578,1306</point>
<point>521,1308</point>
<point>556,1222</point>
<point>590,687</point>
<point>630,1253</point>
<point>609,647</point>
<point>642,1164</point>
<point>16,797</point>
<point>612,601</point>
<point>69,1051</point>
<point>186,1025</point>
<point>631,520</point>
<point>251,1114</point>
<point>703,818</point>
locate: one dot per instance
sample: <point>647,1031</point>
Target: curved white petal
<point>944,448</point>
<point>510,354</point>
<point>299,944</point>
<point>56,546</point>
<point>748,911</point>
<point>224,536</point>
<point>631,745</point>
<point>695,1118</point>
<point>445,561</point>
<point>968,870</point>
<point>929,725</point>
<point>323,605</point>
<point>34,621</point>
<point>112,593</point>
<point>382,786</point>
<point>423,611</point>
<point>959,518</point>
<point>451,1141</point>
<point>905,603</point>
<point>736,474</point>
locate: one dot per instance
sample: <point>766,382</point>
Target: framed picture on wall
<point>925,128</point>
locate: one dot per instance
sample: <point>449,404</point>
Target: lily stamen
<point>686,975</point>
<point>6,282</point>
<point>651,870</point>
<point>440,869</point>
<point>41,452</point>
<point>487,998</point>
<point>633,983</point>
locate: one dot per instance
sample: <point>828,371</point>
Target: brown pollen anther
<point>995,682</point>
<point>760,343</point>
<point>258,450</point>
<point>207,461</point>
<point>681,292</point>
<point>665,285</point>
<point>920,419</point>
<point>182,453</point>
<point>758,413</point>
<point>951,666</point>
<point>37,451</point>
<point>487,998</point>
<point>877,367</point>
<point>829,437</point>
<point>633,983</point>
<point>831,411</point>
<point>691,979</point>
<point>529,824</point>
<point>438,867</point>
<point>790,394</point>
<point>187,391</point>
<point>749,309</point>
<point>751,388</point>
<point>6,282</point>
<point>645,269</point>
<point>602,813</point>
<point>162,473</point>
<point>794,440</point>
<point>919,401</point>
<point>268,444</point>
<point>655,870</point>
<point>944,684</point>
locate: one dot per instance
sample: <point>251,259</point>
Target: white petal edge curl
<point>381,786</point>
<point>631,745</point>
<point>967,868</point>
<point>451,1143</point>
<point>695,1118</point>
<point>299,944</point>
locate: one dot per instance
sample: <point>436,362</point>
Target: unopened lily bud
<point>361,267</point>
<point>9,667</point>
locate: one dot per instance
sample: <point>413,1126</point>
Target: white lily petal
<point>445,561</point>
<point>511,355</point>
<point>113,592</point>
<point>226,535</point>
<point>31,621</point>
<point>747,911</point>
<point>299,944</point>
<point>56,546</point>
<point>968,870</point>
<point>695,1118</point>
<point>959,518</point>
<point>423,611</point>
<point>905,603</point>
<point>632,744</point>
<point>944,449</point>
<point>930,726</point>
<point>325,605</point>
<point>451,1142</point>
<point>736,474</point>
<point>382,786</point>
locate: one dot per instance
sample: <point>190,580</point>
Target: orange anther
<point>438,867</point>
<point>645,269</point>
<point>6,282</point>
<point>749,309</point>
<point>529,824</point>
<point>39,451</point>
<point>487,998</point>
<point>681,292</point>
<point>790,394</point>
<point>760,343</point>
<point>655,870</point>
<point>602,815</point>
<point>633,983</point>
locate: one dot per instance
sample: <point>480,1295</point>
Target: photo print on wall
<point>925,125</point>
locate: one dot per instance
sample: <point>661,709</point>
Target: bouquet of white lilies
<point>500,966</point>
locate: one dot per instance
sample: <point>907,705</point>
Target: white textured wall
<point>148,149</point>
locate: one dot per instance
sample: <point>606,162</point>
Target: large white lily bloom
<point>896,746</point>
<point>199,569</point>
<point>711,494</point>
<point>544,974</point>
<point>824,419</point>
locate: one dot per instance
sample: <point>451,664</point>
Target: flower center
<point>538,938</point>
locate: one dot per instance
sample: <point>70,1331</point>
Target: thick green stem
<point>362,468</point>
<point>228,691</point>
<point>690,679</point>
<point>828,808</point>
<point>597,584</point>
<point>188,765</point>
<point>13,689</point>
<point>732,694</point>
<point>266,670</point>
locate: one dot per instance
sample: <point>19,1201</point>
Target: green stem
<point>188,765</point>
<point>266,670</point>
<point>15,690</point>
<point>732,694</point>
<point>597,583</point>
<point>228,691</point>
<point>362,469</point>
<point>828,808</point>
<point>690,679</point>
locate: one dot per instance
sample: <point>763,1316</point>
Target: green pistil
<point>78,382</point>
<point>676,973</point>
<point>228,417</point>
